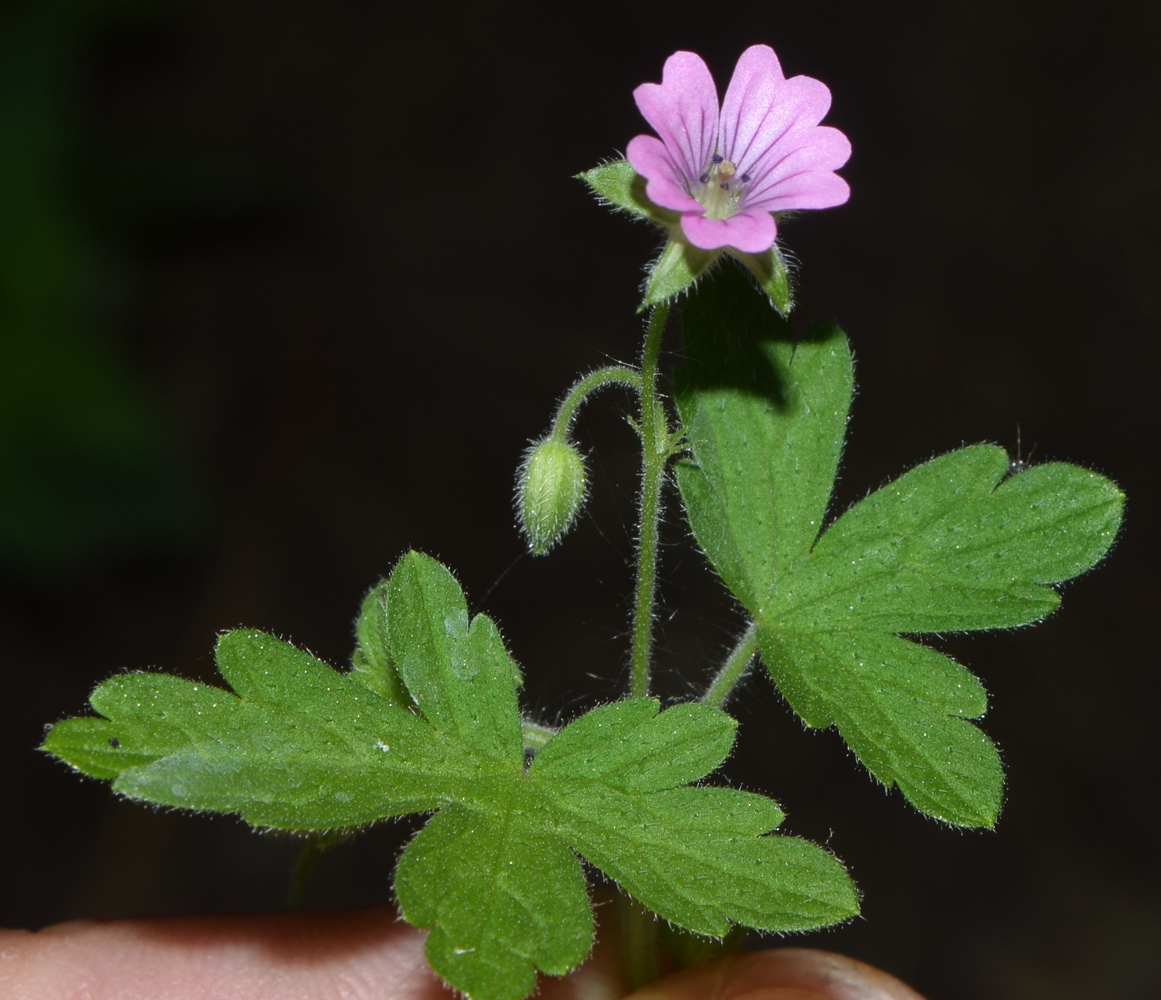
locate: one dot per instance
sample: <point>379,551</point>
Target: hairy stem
<point>734,669</point>
<point>655,452</point>
<point>536,735</point>
<point>594,380</point>
<point>639,939</point>
<point>307,859</point>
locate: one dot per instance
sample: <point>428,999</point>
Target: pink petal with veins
<point>768,130</point>
<point>750,232</point>
<point>761,134</point>
<point>683,110</point>
<point>666,185</point>
<point>812,189</point>
<point>816,148</point>
<point>828,149</point>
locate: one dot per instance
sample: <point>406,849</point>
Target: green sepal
<point>770,271</point>
<point>956,544</point>
<point>676,270</point>
<point>371,661</point>
<point>618,185</point>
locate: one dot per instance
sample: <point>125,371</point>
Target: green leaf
<point>617,184</point>
<point>901,708</point>
<point>371,661</point>
<point>461,678</point>
<point>698,857</point>
<point>765,418</point>
<point>955,544</point>
<point>295,746</point>
<point>503,894</point>
<point>628,746</point>
<point>495,873</point>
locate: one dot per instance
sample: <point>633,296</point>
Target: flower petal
<point>762,114</point>
<point>666,185</point>
<point>683,110</point>
<point>753,89</point>
<point>750,232</point>
<point>815,153</point>
<point>810,189</point>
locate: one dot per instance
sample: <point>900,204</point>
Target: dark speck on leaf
<point>114,742</point>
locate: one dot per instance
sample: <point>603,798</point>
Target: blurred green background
<point>286,288</point>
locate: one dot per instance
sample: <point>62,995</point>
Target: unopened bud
<point>549,492</point>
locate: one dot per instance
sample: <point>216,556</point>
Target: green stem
<point>536,735</point>
<point>655,451</point>
<point>576,395</point>
<point>307,859</point>
<point>639,939</point>
<point>734,669</point>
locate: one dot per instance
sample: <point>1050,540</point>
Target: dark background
<point>285,288</point>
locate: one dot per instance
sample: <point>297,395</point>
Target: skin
<point>360,955</point>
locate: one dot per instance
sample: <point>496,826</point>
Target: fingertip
<point>780,974</point>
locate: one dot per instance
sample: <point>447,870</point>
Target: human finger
<point>780,974</point>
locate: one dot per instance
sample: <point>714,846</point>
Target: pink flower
<point>726,172</point>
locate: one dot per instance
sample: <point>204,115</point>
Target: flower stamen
<point>721,188</point>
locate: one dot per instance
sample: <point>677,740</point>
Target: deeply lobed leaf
<point>299,746</point>
<point>954,544</point>
<point>902,709</point>
<point>699,858</point>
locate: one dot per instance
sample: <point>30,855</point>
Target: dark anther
<point>704,178</point>
<point>114,742</point>
<point>716,158</point>
<point>725,186</point>
<point>745,178</point>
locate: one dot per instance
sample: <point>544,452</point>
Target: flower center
<point>720,188</point>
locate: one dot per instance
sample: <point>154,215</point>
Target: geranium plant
<point>428,718</point>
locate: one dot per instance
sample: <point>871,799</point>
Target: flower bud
<point>549,492</point>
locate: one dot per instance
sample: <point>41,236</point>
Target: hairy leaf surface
<point>297,745</point>
<point>955,544</point>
